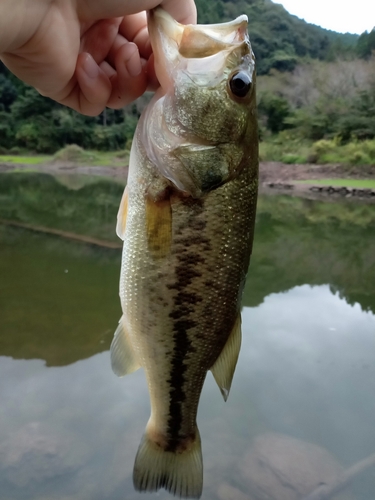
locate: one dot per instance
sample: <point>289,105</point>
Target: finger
<point>93,88</point>
<point>108,69</point>
<point>152,81</point>
<point>99,38</point>
<point>142,39</point>
<point>130,81</point>
<point>134,28</point>
<point>118,42</point>
<point>132,24</point>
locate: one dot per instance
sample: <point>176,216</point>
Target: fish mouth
<point>175,44</point>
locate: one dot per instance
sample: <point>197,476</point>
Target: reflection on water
<point>302,405</point>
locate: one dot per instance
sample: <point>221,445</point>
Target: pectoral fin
<point>122,214</point>
<point>159,226</point>
<point>123,358</point>
<point>224,366</point>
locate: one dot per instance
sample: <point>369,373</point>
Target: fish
<point>187,221</point>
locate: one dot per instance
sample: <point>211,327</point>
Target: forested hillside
<point>285,47</point>
<point>279,39</point>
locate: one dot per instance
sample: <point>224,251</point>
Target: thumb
<point>93,10</point>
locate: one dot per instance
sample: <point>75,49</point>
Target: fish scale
<point>187,245</point>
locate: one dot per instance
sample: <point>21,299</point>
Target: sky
<point>337,15</point>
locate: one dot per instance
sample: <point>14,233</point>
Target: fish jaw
<point>165,34</point>
<point>192,48</point>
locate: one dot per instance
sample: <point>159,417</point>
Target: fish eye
<point>240,84</point>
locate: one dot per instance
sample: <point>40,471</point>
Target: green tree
<point>366,44</point>
<point>8,92</point>
<point>359,123</point>
<point>276,110</point>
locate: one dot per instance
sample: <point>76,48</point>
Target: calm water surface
<point>302,406</point>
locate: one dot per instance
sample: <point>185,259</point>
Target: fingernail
<point>90,67</point>
<point>133,63</point>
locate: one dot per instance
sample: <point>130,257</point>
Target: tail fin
<point>180,473</point>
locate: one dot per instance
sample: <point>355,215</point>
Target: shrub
<point>359,158</point>
<point>75,153</point>
<point>323,147</point>
<point>292,158</point>
<point>352,153</point>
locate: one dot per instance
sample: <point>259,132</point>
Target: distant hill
<point>279,39</point>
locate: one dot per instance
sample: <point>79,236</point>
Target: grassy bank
<point>75,154</point>
<point>25,160</point>
<point>287,148</point>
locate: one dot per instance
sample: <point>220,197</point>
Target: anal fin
<point>123,359</point>
<point>224,366</point>
<point>122,214</point>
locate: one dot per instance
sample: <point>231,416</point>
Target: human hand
<point>86,54</point>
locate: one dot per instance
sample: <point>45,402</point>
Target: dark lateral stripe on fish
<point>182,347</point>
<point>195,239</point>
<point>189,256</point>
<point>187,298</point>
<point>184,303</point>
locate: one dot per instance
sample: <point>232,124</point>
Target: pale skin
<point>85,54</point>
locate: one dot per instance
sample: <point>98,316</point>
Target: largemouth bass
<point>187,221</point>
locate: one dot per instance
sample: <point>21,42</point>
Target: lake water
<point>302,405</point>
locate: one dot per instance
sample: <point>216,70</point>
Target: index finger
<point>134,28</point>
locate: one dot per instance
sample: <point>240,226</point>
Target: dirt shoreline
<point>275,177</point>
<point>279,178</point>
